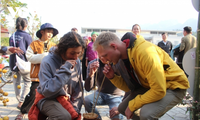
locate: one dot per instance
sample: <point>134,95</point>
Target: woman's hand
<point>16,50</point>
<point>73,62</point>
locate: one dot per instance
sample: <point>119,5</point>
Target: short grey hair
<point>104,40</point>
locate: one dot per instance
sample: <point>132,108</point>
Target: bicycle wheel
<point>8,75</point>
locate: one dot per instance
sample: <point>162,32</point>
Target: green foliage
<point>5,41</point>
<point>9,3</point>
<point>33,19</point>
<point>192,106</point>
<point>34,26</point>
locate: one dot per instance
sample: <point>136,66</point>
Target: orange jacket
<point>35,114</point>
<point>37,47</point>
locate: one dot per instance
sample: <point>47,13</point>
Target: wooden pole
<point>196,97</point>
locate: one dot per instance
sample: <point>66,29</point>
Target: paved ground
<point>176,113</point>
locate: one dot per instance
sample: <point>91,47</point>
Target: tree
<point>33,20</point>
<point>14,4</point>
<point>34,24</point>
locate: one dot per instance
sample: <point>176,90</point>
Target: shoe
<point>20,117</point>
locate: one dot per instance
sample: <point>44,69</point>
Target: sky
<point>66,14</point>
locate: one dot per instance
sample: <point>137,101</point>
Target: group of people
<point>34,52</point>
<point>135,78</point>
<point>187,42</point>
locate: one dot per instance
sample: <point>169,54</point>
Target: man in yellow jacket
<point>159,82</point>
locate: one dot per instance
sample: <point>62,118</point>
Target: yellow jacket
<point>148,61</point>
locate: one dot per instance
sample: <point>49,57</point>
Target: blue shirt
<point>22,40</point>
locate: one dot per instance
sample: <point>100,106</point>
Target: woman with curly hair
<point>60,92</point>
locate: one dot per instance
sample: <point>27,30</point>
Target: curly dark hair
<point>69,40</point>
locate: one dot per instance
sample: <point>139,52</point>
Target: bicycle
<point>8,76</point>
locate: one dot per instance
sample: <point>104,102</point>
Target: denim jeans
<point>104,99</point>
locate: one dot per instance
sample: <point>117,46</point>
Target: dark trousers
<point>30,97</point>
<point>181,66</point>
<point>55,111</point>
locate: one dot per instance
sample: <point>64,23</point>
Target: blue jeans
<point>104,99</point>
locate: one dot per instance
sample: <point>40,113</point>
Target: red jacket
<point>35,114</point>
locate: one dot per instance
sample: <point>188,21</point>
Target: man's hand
<point>113,112</point>
<point>108,71</point>
<point>73,62</point>
<point>16,50</point>
<point>93,68</point>
<point>128,113</point>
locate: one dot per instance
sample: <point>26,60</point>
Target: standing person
<point>75,30</point>
<point>108,93</point>
<point>163,83</point>
<point>36,51</point>
<point>60,91</point>
<point>22,40</point>
<point>136,29</point>
<point>84,67</point>
<point>90,53</point>
<point>187,42</point>
<point>165,44</point>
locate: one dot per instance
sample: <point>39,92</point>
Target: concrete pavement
<point>176,113</point>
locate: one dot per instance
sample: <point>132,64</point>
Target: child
<point>36,51</point>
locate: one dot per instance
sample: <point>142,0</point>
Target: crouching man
<point>163,83</point>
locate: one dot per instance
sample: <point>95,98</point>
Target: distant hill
<point>171,25</point>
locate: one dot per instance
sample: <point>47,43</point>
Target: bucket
<point>90,116</point>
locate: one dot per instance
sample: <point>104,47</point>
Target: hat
<point>94,33</point>
<point>46,26</point>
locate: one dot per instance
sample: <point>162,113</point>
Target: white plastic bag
<point>22,65</point>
